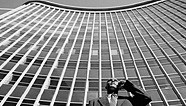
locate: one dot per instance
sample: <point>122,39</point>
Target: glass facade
<point>59,56</point>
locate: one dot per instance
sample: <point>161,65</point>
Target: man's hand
<point>121,84</point>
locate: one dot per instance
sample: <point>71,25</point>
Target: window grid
<point>171,59</point>
<point>7,59</point>
<point>108,41</point>
<point>80,18</point>
<point>45,84</point>
<point>30,64</point>
<point>150,71</point>
<point>13,15</point>
<point>51,55</point>
<point>119,49</point>
<point>89,62</point>
<point>14,20</point>
<point>17,80</point>
<point>12,36</point>
<point>12,11</point>
<point>176,91</point>
<point>76,71</point>
<point>58,56</point>
<point>135,66</point>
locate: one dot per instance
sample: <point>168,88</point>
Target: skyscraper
<point>53,54</point>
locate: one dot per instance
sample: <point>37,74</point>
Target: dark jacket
<point>139,98</point>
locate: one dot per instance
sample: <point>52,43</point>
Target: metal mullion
<point>166,30</point>
<point>2,65</point>
<point>38,71</point>
<point>182,1</point>
<point>6,9</point>
<point>16,19</point>
<point>122,60</point>
<point>173,38</point>
<point>133,59</point>
<point>15,34</point>
<point>129,48</point>
<point>123,63</point>
<point>178,4</point>
<point>171,27</point>
<point>177,70</point>
<point>7,14</point>
<point>108,40</point>
<point>173,20</point>
<point>89,64</point>
<point>137,72</point>
<point>175,9</point>
<point>165,73</point>
<point>183,78</point>
<point>150,71</point>
<point>78,62</point>
<point>100,62</point>
<point>65,66</point>
<point>22,75</point>
<point>14,14</point>
<point>55,62</point>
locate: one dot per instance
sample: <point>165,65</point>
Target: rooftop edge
<point>92,8</point>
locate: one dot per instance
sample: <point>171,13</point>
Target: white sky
<point>84,3</point>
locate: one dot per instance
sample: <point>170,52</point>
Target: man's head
<point>112,86</point>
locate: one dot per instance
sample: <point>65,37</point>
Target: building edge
<point>115,8</point>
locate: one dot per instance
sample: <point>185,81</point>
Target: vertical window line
<point>16,83</point>
<point>48,54</point>
<point>123,63</point>
<point>181,75</point>
<point>15,34</point>
<point>129,48</point>
<point>108,41</point>
<point>43,62</point>
<point>65,66</point>
<point>14,52</point>
<point>177,70</point>
<point>178,4</point>
<point>58,56</point>
<point>14,20</point>
<point>78,61</point>
<point>100,58</point>
<point>68,59</point>
<point>11,13</point>
<point>174,13</point>
<point>165,73</point>
<point>89,64</point>
<point>171,26</point>
<point>137,46</point>
<point>170,81</point>
<point>53,23</point>
<point>120,53</point>
<point>153,77</point>
<point>2,65</point>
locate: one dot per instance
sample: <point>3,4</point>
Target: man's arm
<point>140,97</point>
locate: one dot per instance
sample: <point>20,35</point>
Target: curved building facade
<point>57,55</point>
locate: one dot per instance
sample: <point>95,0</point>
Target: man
<point>138,98</point>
